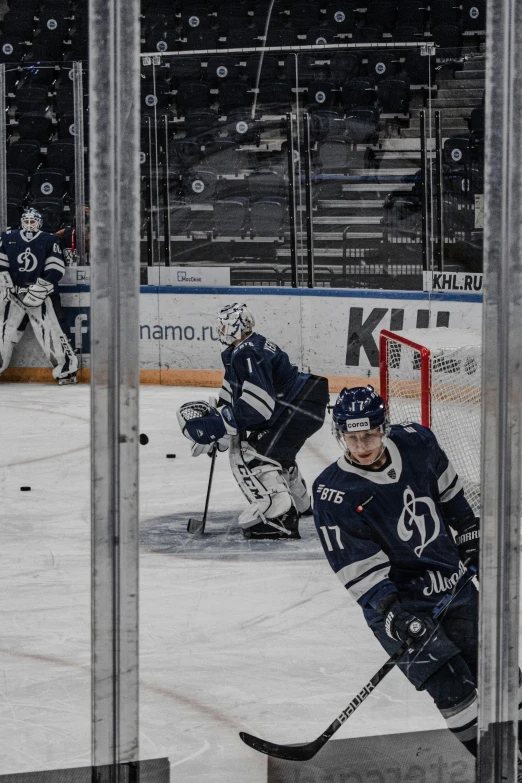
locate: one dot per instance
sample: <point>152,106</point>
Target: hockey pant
<point>302,418</point>
<point>262,482</point>
<point>281,443</point>
<point>47,330</point>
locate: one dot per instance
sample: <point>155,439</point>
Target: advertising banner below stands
<point>331,332</point>
<point>192,276</point>
<point>458,282</point>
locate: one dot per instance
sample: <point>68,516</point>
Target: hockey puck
<point>171,456</point>
<point>144,439</point>
<point>25,489</point>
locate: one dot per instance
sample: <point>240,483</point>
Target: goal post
<point>433,377</point>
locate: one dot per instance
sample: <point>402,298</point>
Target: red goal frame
<point>425,371</point>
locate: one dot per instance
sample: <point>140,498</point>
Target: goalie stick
<point>197,526</point>
<point>307,750</point>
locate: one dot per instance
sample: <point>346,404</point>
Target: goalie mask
<point>359,409</point>
<point>233,322</point>
<point>31,220</point>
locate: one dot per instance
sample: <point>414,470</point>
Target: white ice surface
<point>272,646</point>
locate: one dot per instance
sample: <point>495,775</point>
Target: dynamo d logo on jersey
<point>427,524</point>
<point>28,262</point>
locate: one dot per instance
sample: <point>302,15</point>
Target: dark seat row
<point>233,217</point>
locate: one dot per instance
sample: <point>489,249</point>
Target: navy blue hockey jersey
<point>260,382</point>
<point>28,255</point>
<point>386,531</point>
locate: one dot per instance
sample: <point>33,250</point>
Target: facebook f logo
<point>78,330</point>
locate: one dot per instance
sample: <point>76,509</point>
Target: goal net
<point>433,376</point>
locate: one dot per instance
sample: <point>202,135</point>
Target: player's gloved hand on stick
<point>204,426</point>
<point>37,293</point>
<point>468,540</point>
<point>401,625</point>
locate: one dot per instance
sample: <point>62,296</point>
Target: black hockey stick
<point>307,750</point>
<point>197,526</point>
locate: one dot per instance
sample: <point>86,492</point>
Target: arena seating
<point>214,136</point>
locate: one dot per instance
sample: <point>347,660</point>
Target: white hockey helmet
<point>31,220</point>
<point>233,322</point>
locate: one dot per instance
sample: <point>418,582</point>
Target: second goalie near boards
<point>266,412</point>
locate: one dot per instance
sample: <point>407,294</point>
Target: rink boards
<point>328,331</point>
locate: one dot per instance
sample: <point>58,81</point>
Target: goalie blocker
<point>268,409</point>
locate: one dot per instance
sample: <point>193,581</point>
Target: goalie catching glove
<point>204,426</point>
<point>37,293</point>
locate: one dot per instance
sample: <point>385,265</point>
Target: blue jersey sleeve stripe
<point>447,478</point>
<point>257,404</point>
<point>358,589</point>
<point>359,569</point>
<point>257,391</point>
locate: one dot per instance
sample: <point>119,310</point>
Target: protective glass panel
<point>457,158</point>
<point>369,181</point>
<point>218,173</point>
<point>44,462</point>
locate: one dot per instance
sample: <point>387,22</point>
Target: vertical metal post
<point>309,203</point>
<point>439,201</point>
<point>3,153</point>
<point>79,163</point>
<point>149,201</point>
<point>501,398</point>
<point>291,194</point>
<point>426,260</point>
<point>166,195</point>
<point>115,199</point>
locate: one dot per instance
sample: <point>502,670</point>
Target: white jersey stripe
<point>360,567</point>
<point>447,478</point>
<point>258,405</point>
<point>449,494</point>
<point>54,261</point>
<point>225,395</point>
<point>360,588</point>
<point>261,393</point>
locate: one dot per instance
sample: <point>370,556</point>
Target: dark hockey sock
<point>453,690</point>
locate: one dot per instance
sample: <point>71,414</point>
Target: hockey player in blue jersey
<point>31,265</point>
<point>267,409</point>
<point>399,533</point>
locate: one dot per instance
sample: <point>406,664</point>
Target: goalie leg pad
<point>298,489</point>
<point>52,340</point>
<point>11,316</point>
<point>262,482</point>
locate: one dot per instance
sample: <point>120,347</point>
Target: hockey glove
<point>468,540</point>
<point>402,626</point>
<point>37,293</point>
<point>203,425</point>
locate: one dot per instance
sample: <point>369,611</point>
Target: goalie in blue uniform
<point>399,533</point>
<point>266,410</point>
<point>31,265</point>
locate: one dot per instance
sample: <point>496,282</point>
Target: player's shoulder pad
<point>253,345</point>
<point>413,433</point>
